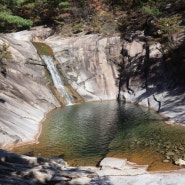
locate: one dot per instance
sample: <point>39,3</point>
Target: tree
<point>47,12</point>
<point>8,21</point>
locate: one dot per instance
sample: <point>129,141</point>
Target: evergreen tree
<point>9,21</point>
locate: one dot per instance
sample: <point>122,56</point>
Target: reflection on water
<point>84,134</point>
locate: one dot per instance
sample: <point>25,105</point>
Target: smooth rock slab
<point>80,181</point>
<point>170,178</point>
<point>120,167</point>
<point>127,173</point>
<point>89,63</point>
<point>115,163</point>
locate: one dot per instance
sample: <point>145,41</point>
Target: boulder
<point>180,162</point>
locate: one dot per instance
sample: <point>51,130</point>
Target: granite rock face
<point>89,63</point>
<point>147,79</point>
<point>25,97</point>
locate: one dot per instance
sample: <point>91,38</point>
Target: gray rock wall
<point>89,63</point>
<point>24,95</point>
<point>147,80</point>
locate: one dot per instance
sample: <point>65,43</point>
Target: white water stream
<point>57,80</point>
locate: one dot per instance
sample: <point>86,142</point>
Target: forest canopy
<point>23,14</point>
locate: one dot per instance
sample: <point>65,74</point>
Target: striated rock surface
<point>35,33</point>
<point>89,63</point>
<point>24,95</point>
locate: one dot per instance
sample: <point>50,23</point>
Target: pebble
<point>166,161</point>
<point>167,157</point>
<point>170,153</point>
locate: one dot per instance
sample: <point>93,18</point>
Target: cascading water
<point>57,80</point>
<point>65,92</point>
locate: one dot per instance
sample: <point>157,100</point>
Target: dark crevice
<point>130,91</point>
<point>36,64</point>
<point>159,103</point>
<point>4,72</point>
<point>146,66</point>
<point>2,100</point>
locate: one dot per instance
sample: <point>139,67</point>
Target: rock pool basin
<point>84,134</point>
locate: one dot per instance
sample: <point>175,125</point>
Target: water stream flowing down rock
<point>90,63</point>
<point>57,80</point>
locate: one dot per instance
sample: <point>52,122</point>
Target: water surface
<point>85,133</point>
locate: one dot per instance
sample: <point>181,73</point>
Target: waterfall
<point>57,80</point>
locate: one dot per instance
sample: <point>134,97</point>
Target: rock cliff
<point>25,97</point>
<point>148,77</point>
<point>89,63</point>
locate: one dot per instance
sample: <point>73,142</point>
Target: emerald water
<point>83,134</point>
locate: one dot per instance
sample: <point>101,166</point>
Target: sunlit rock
<point>180,162</point>
<point>25,95</point>
<point>90,64</point>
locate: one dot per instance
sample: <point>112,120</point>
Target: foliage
<point>21,14</point>
<point>9,21</point>
<point>83,9</point>
<point>125,4</point>
<point>132,22</point>
<point>4,53</point>
<point>78,27</point>
<point>65,6</point>
<point>12,21</point>
<point>170,24</point>
<point>151,11</point>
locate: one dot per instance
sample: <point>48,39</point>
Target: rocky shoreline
<point>10,147</point>
<point>23,170</point>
